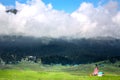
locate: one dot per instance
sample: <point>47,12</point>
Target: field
<point>33,71</point>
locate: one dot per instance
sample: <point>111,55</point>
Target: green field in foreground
<point>35,71</point>
<point>36,75</point>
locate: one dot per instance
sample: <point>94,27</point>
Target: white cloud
<point>97,21</point>
<point>40,20</point>
<point>116,18</point>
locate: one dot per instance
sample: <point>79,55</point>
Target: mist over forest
<point>61,50</point>
<point>35,29</point>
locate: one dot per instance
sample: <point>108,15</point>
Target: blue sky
<point>68,5</point>
<point>65,5</point>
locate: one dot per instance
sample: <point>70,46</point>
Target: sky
<point>61,18</point>
<point>65,5</point>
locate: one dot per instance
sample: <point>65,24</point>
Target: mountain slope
<point>55,50</point>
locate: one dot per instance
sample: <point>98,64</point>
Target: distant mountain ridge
<point>60,50</point>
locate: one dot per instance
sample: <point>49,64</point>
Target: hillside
<point>62,50</point>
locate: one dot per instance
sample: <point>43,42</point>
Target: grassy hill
<point>35,71</point>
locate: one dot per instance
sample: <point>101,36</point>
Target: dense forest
<point>61,50</point>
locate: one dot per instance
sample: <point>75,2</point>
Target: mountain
<point>61,50</point>
<point>14,11</point>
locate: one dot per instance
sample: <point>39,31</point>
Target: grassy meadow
<point>35,71</point>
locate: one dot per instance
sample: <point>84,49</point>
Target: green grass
<point>37,75</point>
<point>34,71</point>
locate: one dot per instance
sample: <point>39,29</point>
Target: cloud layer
<point>40,20</point>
